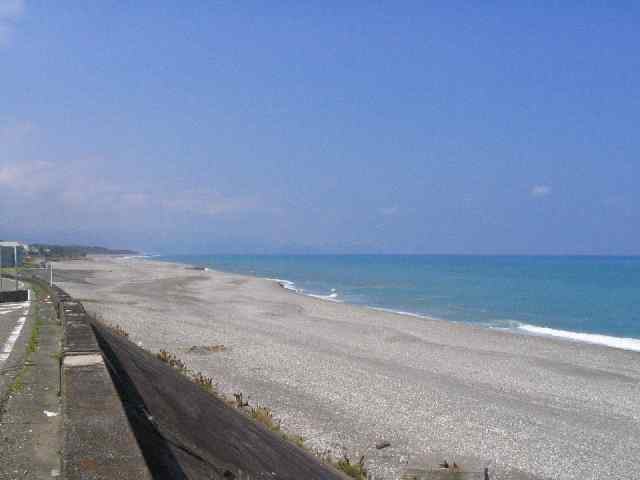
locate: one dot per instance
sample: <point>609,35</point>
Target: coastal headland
<point>347,377</point>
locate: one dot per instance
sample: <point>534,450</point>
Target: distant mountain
<point>77,250</point>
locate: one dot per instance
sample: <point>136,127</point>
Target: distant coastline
<point>54,250</point>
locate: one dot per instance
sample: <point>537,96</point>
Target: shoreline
<point>517,327</point>
<point>346,376</point>
<point>630,344</point>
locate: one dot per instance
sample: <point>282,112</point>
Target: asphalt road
<point>13,326</point>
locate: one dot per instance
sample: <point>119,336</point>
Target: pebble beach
<point>348,377</point>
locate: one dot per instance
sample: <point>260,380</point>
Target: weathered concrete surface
<point>83,360</point>
<point>78,336</point>
<point>30,421</point>
<point>98,441</point>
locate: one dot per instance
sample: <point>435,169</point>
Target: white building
<point>12,251</point>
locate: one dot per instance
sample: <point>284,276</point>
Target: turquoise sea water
<point>558,296</point>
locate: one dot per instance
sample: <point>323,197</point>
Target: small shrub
<point>170,359</point>
<point>240,402</point>
<point>164,356</point>
<point>353,470</point>
<point>119,331</point>
<point>265,417</point>
<point>206,383</point>
<point>17,384</point>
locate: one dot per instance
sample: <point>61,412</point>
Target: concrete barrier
<point>14,296</point>
<point>98,440</point>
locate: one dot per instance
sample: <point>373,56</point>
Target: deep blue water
<point>598,295</point>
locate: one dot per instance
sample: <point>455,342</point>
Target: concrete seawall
<point>98,439</point>
<point>129,415</point>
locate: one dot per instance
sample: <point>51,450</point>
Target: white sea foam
<point>401,312</point>
<point>509,325</point>
<point>289,285</point>
<point>332,297</point>
<point>285,284</point>
<point>632,344</point>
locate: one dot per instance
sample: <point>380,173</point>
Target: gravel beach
<point>346,377</point>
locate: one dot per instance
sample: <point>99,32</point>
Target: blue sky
<point>391,127</point>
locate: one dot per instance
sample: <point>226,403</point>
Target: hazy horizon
<point>334,129</point>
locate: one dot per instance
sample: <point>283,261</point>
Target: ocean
<point>581,298</point>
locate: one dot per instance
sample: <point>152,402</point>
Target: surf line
<point>11,341</point>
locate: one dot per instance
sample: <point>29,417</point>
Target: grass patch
<point>171,359</point>
<point>204,382</point>
<point>200,379</point>
<point>32,345</point>
<point>17,385</point>
<point>264,416</point>
<point>354,470</point>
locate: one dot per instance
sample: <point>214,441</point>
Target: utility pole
<point>0,268</point>
<point>50,274</point>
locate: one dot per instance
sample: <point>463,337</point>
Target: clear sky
<point>396,127</point>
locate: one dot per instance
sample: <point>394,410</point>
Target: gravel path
<point>346,377</point>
